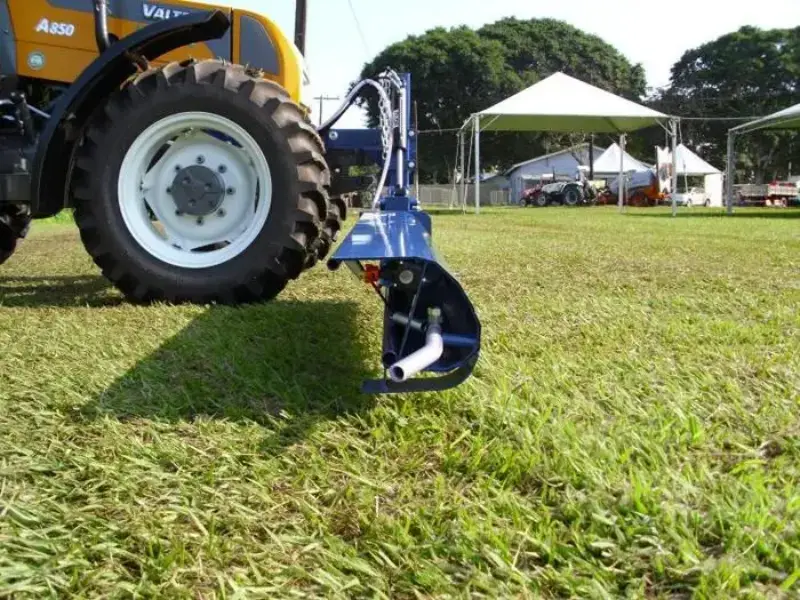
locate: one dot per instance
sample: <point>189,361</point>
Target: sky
<point>340,40</point>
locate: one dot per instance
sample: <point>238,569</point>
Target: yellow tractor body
<point>54,40</point>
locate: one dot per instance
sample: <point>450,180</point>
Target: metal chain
<point>386,115</point>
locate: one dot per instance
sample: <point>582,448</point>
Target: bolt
<point>169,190</point>
<point>200,160</point>
<point>406,277</point>
<point>199,220</point>
<point>221,212</point>
<point>177,168</point>
<point>178,213</point>
<point>231,191</point>
<point>222,168</point>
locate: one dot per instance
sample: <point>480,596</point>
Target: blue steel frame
<point>397,239</point>
<point>369,142</point>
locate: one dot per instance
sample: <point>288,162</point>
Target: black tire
<point>14,225</point>
<point>541,200</point>
<point>572,196</point>
<point>299,213</point>
<point>337,213</point>
<point>8,243</point>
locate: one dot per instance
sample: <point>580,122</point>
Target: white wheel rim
<point>185,240</point>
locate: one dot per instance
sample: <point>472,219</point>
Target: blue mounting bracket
<point>413,284</point>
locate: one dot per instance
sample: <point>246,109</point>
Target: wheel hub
<point>197,191</point>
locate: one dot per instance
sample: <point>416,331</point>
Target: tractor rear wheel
<point>200,182</point>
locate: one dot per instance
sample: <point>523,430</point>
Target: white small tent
<point>689,164</point>
<point>609,162</point>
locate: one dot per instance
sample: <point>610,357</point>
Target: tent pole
<point>591,157</point>
<point>674,183</point>
<point>621,190</point>
<point>730,169</point>
<point>462,196</point>
<point>477,165</point>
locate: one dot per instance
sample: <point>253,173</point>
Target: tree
<point>749,72</point>
<point>454,74</point>
<point>459,71</point>
<point>536,48</point>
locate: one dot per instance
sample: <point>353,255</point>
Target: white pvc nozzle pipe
<point>422,358</point>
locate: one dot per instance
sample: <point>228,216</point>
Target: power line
<point>358,27</point>
<point>450,130</point>
<point>718,118</point>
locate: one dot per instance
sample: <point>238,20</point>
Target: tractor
<point>179,135</point>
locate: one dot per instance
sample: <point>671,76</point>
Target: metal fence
<point>447,195</point>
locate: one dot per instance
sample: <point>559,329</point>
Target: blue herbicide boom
<point>430,326</point>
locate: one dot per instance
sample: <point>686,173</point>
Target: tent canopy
<point>563,103</point>
<point>609,161</point>
<point>789,118</point>
<point>691,164</point>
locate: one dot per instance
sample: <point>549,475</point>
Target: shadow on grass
<point>30,292</point>
<point>775,213</point>
<point>283,365</point>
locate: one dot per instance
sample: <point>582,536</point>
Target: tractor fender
<point>52,164</point>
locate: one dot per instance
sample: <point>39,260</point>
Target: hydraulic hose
<point>348,102</point>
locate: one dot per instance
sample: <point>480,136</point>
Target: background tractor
<point>560,189</point>
<point>179,134</point>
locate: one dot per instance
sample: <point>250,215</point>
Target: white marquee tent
<point>788,118</point>
<point>609,162</point>
<point>561,103</point>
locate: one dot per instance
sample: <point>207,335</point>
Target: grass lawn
<point>631,429</point>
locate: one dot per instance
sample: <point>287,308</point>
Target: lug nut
<point>221,212</point>
<point>199,220</point>
<point>177,168</point>
<point>178,213</point>
<point>231,191</point>
<point>200,160</point>
<point>222,168</point>
<point>169,190</point>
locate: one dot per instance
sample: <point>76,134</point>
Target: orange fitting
<point>372,274</point>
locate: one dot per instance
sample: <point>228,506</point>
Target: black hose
<point>101,25</point>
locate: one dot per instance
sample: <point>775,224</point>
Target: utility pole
<point>300,15</point>
<point>322,99</point>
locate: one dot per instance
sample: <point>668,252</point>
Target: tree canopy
<point>457,72</point>
<point>749,72</point>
